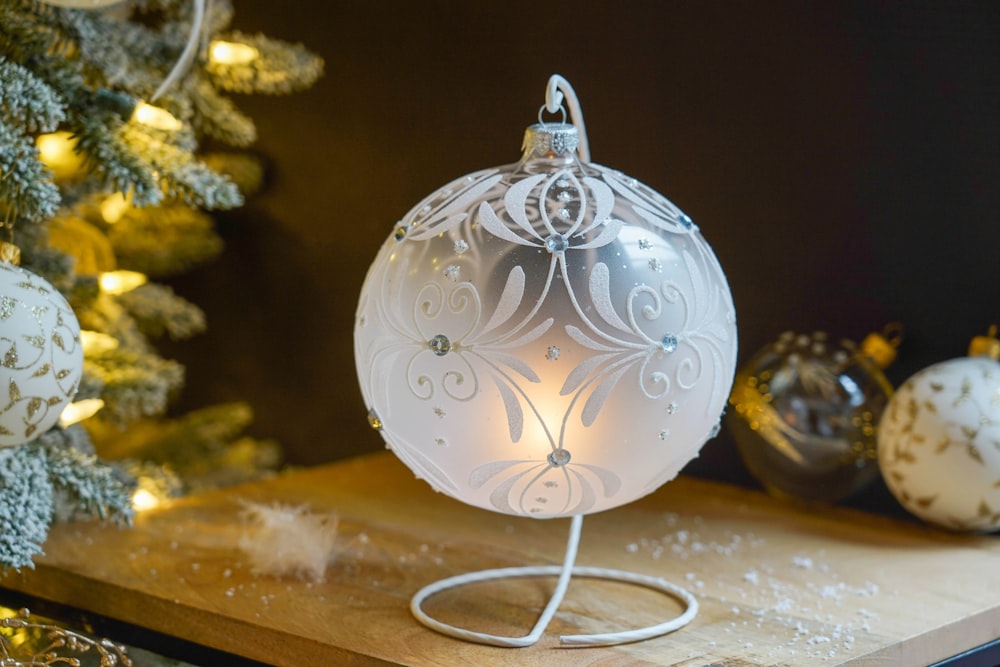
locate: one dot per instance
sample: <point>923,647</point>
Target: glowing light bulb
<point>79,410</point>
<point>232,53</point>
<point>55,150</point>
<point>157,117</point>
<point>143,499</point>
<point>94,342</point>
<point>119,282</point>
<point>114,207</point>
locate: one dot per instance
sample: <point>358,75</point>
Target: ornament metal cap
<point>10,253</point>
<point>551,140</point>
<point>881,347</point>
<point>986,346</point>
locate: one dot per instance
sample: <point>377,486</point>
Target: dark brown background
<point>843,159</point>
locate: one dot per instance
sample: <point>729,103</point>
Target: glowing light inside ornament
<point>119,282</point>
<point>155,117</point>
<point>232,53</point>
<point>79,410</point>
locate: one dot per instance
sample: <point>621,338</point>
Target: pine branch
<point>217,116</point>
<point>111,158</point>
<point>157,310</point>
<point>95,489</point>
<point>26,101</point>
<point>133,384</point>
<point>164,240</point>
<point>26,185</point>
<point>281,67</point>
<point>26,496</point>
<point>181,175</point>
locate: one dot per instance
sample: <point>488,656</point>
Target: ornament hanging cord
<point>556,91</point>
<point>187,55</point>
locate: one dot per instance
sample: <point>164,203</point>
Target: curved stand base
<point>564,572</point>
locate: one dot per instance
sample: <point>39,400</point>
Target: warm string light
<point>113,208</point>
<point>79,410</point>
<point>57,151</point>
<point>148,495</point>
<point>119,282</point>
<point>231,53</point>
<point>156,117</point>
<point>95,342</point>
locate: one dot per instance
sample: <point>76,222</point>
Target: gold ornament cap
<point>986,346</point>
<point>881,347</point>
<point>10,253</point>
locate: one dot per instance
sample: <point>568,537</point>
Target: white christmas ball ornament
<point>40,355</point>
<point>547,338</point>
<point>939,444</point>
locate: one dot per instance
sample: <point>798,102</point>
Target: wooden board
<point>777,585</point>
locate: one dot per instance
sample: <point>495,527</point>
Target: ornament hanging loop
<point>556,91</point>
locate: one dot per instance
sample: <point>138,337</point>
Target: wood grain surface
<point>778,584</point>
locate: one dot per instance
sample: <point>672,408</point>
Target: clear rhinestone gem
<point>645,244</point>
<point>564,213</point>
<point>655,264</point>
<point>685,220</point>
<point>669,343</point>
<point>664,434</point>
<point>564,196</point>
<point>563,183</point>
<point>671,408</point>
<point>557,243</point>
<point>461,246</point>
<point>439,345</point>
<point>552,353</point>
<point>400,232</point>
<point>559,458</point>
<point>451,272</point>
<point>716,429</point>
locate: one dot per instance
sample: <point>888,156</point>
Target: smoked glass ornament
<point>41,360</point>
<point>805,413</point>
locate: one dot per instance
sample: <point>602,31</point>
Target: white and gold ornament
<point>41,359</point>
<point>939,441</point>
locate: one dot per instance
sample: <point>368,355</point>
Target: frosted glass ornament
<point>546,338</point>
<point>805,413</point>
<point>41,359</point>
<point>939,444</point>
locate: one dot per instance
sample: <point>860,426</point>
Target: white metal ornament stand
<point>557,90</point>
